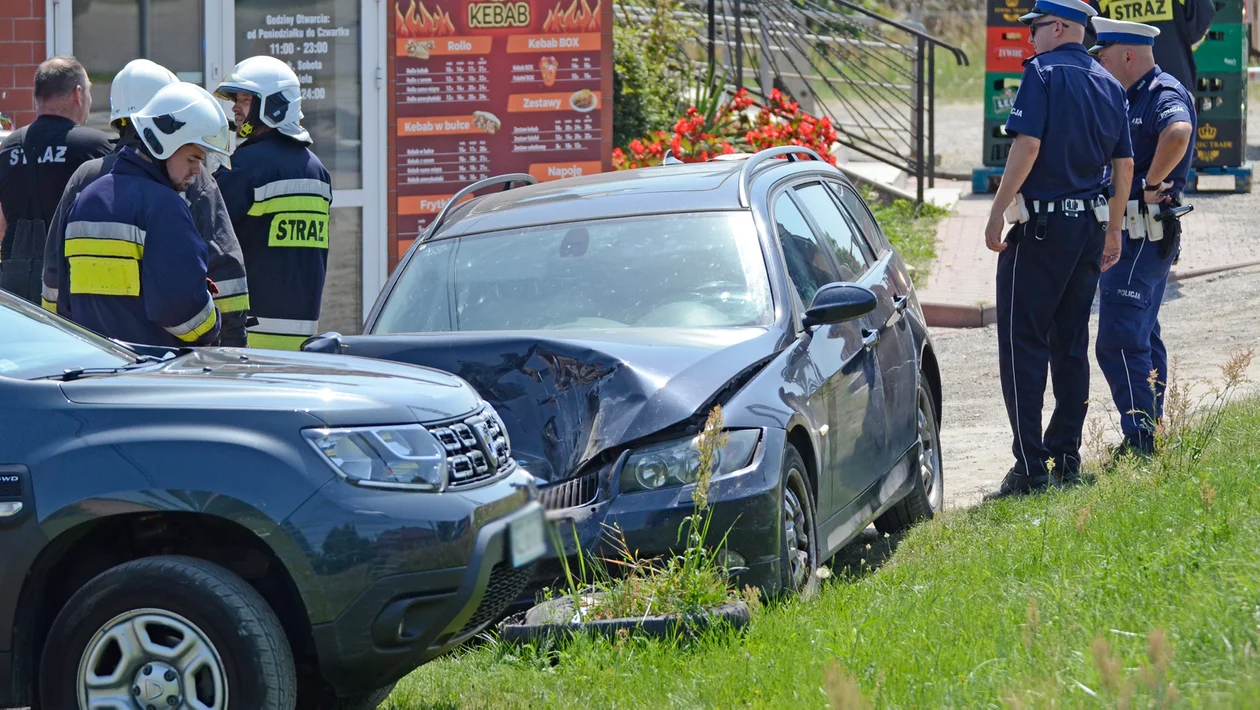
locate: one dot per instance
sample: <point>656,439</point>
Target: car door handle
<point>901,303</point>
<point>870,336</point>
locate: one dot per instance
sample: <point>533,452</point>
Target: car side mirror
<point>329,342</point>
<point>838,303</point>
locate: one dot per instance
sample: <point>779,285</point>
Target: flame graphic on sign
<point>422,24</point>
<point>575,19</point>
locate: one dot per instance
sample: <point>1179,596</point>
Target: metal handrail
<point>505,180</point>
<point>746,171</point>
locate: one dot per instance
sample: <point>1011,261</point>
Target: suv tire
<point>924,500</point>
<point>168,602</point>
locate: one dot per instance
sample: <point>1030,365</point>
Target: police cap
<point>1073,10</point>
<point>1117,32</point>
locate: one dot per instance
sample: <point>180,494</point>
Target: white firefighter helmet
<point>135,85</point>
<point>180,114</point>
<point>276,88</point>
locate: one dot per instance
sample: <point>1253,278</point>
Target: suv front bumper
<point>402,621</point>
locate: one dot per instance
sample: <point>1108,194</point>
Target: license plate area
<point>527,538</point>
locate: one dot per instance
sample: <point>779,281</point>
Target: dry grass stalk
<point>1032,622</point>
<point>1207,493</point>
<point>1082,518</point>
<point>1108,666</point>
<point>842,688</point>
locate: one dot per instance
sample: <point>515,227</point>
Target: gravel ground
<point>1204,321</point>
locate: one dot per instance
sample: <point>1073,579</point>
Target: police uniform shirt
<point>1181,24</point>
<point>1064,91</point>
<point>1156,102</point>
<point>31,185</point>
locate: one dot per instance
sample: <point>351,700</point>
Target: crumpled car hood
<point>567,397</point>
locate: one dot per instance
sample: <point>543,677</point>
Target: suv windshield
<point>35,343</point>
<point>657,271</point>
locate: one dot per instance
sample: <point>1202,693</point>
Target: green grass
<point>912,232</point>
<point>1147,583</point>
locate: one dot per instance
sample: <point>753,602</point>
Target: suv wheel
<point>928,492</point>
<point>799,558</point>
<point>163,632</point>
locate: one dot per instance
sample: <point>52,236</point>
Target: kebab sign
<point>485,87</point>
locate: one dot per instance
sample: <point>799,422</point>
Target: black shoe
<point>1128,447</point>
<point>1020,484</point>
<point>1067,472</point>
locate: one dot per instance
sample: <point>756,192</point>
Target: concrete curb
<point>980,315</point>
<point>954,315</point>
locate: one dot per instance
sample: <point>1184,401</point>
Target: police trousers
<point>1130,352</point>
<point>1045,290</point>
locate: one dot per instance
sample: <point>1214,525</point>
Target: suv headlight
<point>405,456</point>
<point>677,463</point>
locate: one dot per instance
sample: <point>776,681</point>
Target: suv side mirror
<point>838,303</point>
<point>329,342</point>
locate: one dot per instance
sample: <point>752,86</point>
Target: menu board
<point>486,87</point>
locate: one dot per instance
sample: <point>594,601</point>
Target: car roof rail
<point>746,172</point>
<point>505,180</point>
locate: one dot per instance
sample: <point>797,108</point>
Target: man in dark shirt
<point>36,162</point>
<point>1181,24</point>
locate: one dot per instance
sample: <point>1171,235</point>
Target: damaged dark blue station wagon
<point>605,316</point>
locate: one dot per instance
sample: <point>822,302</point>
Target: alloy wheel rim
<point>796,532</point>
<point>929,453</point>
<point>151,659</point>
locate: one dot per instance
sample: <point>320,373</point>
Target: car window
<point>838,231</point>
<point>693,270</point>
<point>807,263</point>
<point>35,343</point>
<point>875,242</point>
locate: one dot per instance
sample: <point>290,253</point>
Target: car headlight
<point>403,456</point>
<point>677,463</point>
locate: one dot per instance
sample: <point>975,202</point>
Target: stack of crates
<point>1006,48</point>
<point>1220,154</point>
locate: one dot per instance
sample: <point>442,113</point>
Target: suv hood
<point>342,391</point>
<point>567,398</point>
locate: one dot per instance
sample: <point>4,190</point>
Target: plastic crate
<point>1220,143</point>
<point>997,145</point>
<point>1006,48</point>
<point>1221,96</point>
<point>1006,13</point>
<point>999,95</point>
<point>1223,50</point>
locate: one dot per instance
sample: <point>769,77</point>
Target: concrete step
<point>881,173</point>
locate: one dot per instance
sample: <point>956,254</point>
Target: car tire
<point>927,493</point>
<point>798,527</point>
<point>239,653</point>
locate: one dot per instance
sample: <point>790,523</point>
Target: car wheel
<point>798,529</point>
<point>927,493</point>
<point>364,701</point>
<point>164,632</point>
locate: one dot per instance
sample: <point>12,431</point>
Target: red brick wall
<point>22,48</point>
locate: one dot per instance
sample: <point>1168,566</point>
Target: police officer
<point>1182,25</point>
<point>1070,125</point>
<point>132,88</point>
<point>1162,123</point>
<point>135,266</point>
<point>35,163</point>
<point>278,194</point>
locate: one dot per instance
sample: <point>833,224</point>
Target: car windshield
<point>657,271</point>
<point>35,343</point>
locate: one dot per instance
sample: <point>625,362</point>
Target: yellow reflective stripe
<point>298,203</point>
<point>232,304</point>
<point>269,341</point>
<point>104,247</point>
<point>103,276</point>
<point>205,325</point>
<point>48,305</point>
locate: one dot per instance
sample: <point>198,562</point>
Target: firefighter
<point>278,194</point>
<point>135,266</point>
<point>132,88</point>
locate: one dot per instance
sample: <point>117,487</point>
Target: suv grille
<point>477,447</point>
<point>505,586</point>
<point>571,493</point>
